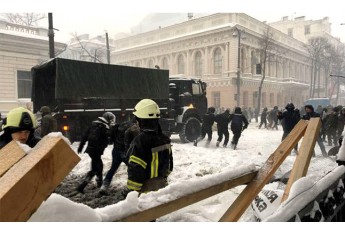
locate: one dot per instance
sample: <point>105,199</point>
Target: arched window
<point>180,65</point>
<point>165,64</point>
<point>217,61</point>
<point>198,64</point>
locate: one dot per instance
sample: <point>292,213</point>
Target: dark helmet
<point>19,119</point>
<point>211,110</point>
<point>265,109</point>
<point>309,107</point>
<point>110,117</point>
<point>238,110</point>
<point>290,106</point>
<point>45,109</point>
<point>275,107</point>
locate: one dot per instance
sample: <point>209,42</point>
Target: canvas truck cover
<point>65,79</point>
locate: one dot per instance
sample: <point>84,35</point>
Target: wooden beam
<point>166,208</point>
<point>29,182</point>
<point>305,153</point>
<point>265,173</point>
<point>9,155</point>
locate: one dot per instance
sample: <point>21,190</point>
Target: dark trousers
<point>207,131</point>
<point>236,137</point>
<point>332,137</point>
<point>224,132</point>
<point>96,165</point>
<point>263,122</point>
<point>115,164</point>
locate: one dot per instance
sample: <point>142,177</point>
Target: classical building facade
<point>21,47</point>
<point>207,48</point>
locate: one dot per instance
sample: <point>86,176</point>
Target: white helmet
<point>147,109</point>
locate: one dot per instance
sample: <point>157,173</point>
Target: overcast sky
<point>95,17</point>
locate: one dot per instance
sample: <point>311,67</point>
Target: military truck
<point>79,91</point>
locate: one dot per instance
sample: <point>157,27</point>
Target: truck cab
<point>188,94</point>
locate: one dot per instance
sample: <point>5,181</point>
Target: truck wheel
<point>191,130</point>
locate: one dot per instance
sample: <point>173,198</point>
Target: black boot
<point>99,182</point>
<point>81,187</point>
<point>85,182</point>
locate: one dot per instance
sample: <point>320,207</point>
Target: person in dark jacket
<point>274,116</point>
<point>223,120</point>
<point>289,118</point>
<point>331,126</point>
<point>309,113</point>
<point>97,136</point>
<point>238,123</point>
<point>48,122</point>
<point>19,125</point>
<point>121,135</point>
<point>263,118</point>
<point>341,122</point>
<point>151,159</point>
<point>207,123</point>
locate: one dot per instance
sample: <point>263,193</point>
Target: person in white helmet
<point>151,159</point>
<point>19,125</point>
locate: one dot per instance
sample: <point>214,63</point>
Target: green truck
<point>79,91</point>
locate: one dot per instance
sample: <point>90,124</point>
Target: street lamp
<point>238,34</point>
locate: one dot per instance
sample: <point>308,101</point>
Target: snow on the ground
<point>195,167</point>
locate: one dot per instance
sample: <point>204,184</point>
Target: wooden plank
<point>161,210</point>
<point>29,182</point>
<point>305,153</point>
<point>265,173</point>
<point>9,155</point>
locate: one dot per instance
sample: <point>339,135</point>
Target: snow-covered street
<point>192,165</point>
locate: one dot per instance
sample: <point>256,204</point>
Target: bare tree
<point>268,53</point>
<point>319,49</point>
<point>337,71</point>
<point>26,19</point>
<point>95,53</point>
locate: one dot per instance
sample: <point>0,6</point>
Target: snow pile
<point>58,208</point>
<point>302,192</point>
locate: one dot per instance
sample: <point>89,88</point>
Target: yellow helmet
<point>147,109</point>
<point>20,119</point>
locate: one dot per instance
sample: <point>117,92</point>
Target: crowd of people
<point>141,145</point>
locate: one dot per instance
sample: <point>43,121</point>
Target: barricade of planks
<point>254,181</point>
<point>27,179</point>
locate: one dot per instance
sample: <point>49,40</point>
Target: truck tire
<point>190,130</point>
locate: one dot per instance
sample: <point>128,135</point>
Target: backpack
<point>95,133</point>
<point>119,141</point>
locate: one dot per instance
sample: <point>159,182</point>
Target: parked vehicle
<point>324,102</point>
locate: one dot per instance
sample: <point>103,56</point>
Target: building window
<point>180,65</point>
<point>216,99</point>
<point>272,99</point>
<point>290,32</point>
<point>307,29</point>
<point>137,64</point>
<point>24,82</point>
<point>263,99</point>
<point>198,64</point>
<point>165,64</point>
<point>245,98</point>
<point>217,61</point>
<point>150,65</point>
